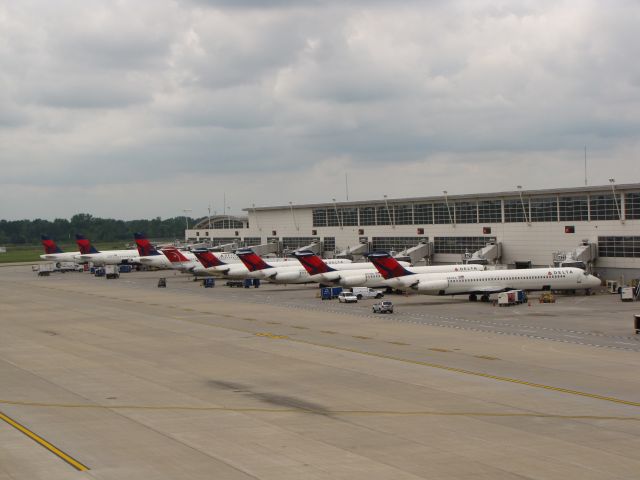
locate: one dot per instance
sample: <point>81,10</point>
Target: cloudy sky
<point>134,109</point>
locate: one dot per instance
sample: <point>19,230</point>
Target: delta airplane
<point>184,261</point>
<point>149,255</point>
<point>222,264</point>
<point>279,272</point>
<point>481,283</point>
<point>364,275</point>
<point>107,257</point>
<point>54,253</point>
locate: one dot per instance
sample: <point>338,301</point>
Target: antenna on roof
<point>585,165</point>
<point>346,185</point>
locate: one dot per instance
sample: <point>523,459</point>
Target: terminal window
<point>423,213</point>
<point>349,216</point>
<point>403,214</point>
<point>604,207</point>
<point>544,209</point>
<point>619,247</point>
<point>460,244</point>
<point>442,213</point>
<point>514,211</point>
<point>490,211</point>
<point>293,243</point>
<point>319,217</point>
<point>382,217</point>
<point>329,244</point>
<point>574,209</point>
<point>367,216</point>
<point>632,205</point>
<point>466,212</point>
<point>252,241</point>
<point>395,243</point>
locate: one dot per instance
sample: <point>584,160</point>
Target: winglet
<point>387,265</point>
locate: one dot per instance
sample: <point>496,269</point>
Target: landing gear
<point>484,298</point>
<point>473,297</point>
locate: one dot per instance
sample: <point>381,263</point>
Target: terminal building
<point>597,227</point>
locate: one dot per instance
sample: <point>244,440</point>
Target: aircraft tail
<point>85,245</point>
<point>145,248</point>
<point>312,263</point>
<point>207,259</point>
<point>252,260</point>
<point>387,265</point>
<point>174,255</point>
<point>49,245</point>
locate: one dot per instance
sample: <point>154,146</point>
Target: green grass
<point>31,253</point>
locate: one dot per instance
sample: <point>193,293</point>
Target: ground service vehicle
<point>347,297</point>
<point>111,271</point>
<point>383,307</point>
<point>327,293</point>
<point>366,292</point>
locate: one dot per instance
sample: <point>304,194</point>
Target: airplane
<point>149,255</point>
<point>54,253</point>
<point>483,283</point>
<point>279,272</point>
<point>223,264</point>
<point>88,253</point>
<point>364,274</point>
<point>184,261</point>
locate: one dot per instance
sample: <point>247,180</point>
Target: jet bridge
<point>352,252</point>
<point>226,247</point>
<point>265,248</point>
<point>415,254</point>
<point>584,256</point>
<point>315,247</point>
<point>490,253</point>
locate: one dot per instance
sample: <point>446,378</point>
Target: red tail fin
<point>312,263</point>
<point>251,260</point>
<point>387,265</point>
<point>208,259</point>
<point>174,255</point>
<point>49,245</point>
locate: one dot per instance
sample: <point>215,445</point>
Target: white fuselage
<point>370,277</point>
<point>61,257</point>
<point>493,281</point>
<point>111,257</point>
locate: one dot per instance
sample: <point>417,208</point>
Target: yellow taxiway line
<point>38,439</point>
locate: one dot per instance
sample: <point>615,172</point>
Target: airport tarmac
<point>118,379</point>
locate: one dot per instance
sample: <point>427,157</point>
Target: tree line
<point>94,228</point>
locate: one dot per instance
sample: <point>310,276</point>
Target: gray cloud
<point>151,94</point>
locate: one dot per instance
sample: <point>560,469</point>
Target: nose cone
<point>593,282</point>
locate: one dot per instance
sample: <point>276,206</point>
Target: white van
<point>366,292</point>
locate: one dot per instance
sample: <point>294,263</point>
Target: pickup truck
<point>383,307</point>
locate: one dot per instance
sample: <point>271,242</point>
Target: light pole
<point>612,181</point>
<point>446,201</point>
<point>186,219</point>
<point>256,216</point>
<point>524,210</point>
